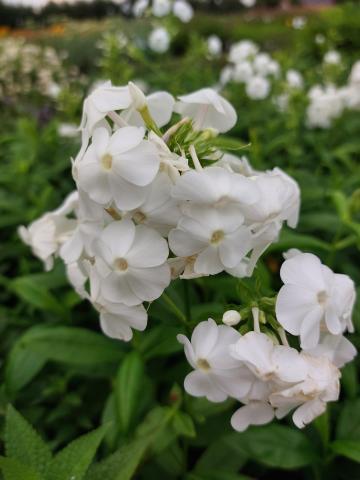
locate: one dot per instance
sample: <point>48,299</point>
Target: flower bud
<point>231,317</point>
<point>138,97</point>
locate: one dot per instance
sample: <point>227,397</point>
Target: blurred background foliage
<point>57,368</point>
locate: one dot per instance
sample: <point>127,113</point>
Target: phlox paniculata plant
<point>156,200</point>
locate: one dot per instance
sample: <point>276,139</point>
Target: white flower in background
<point>215,371</point>
<point>320,39</point>
<point>282,101</point>
<point>261,64</point>
<point>68,130</point>
<point>338,349</point>
<point>214,45</point>
<point>242,51</point>
<point>313,298</point>
<point>332,57</point>
<point>299,22</point>
<point>248,3</point>
<point>159,40</point>
<point>226,75</point>
<point>219,241</point>
<point>243,72</point>
<point>294,79</point>
<point>326,104</point>
<point>139,7</point>
<point>104,99</point>
<point>231,318</point>
<point>208,109</point>
<point>183,10</point>
<point>160,105</point>
<point>161,8</point>
<point>46,234</point>
<point>310,396</point>
<point>354,77</point>
<point>257,88</point>
<point>131,262</point>
<point>118,167</point>
<point>159,210</point>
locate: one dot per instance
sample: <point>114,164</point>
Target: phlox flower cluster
<point>26,68</point>
<point>327,103</point>
<point>156,200</point>
<point>252,68</point>
<point>161,8</point>
<point>147,209</point>
<point>259,368</point>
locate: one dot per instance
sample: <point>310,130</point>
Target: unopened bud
<point>231,318</point>
<point>138,97</point>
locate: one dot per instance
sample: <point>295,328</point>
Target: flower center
<point>322,297</point>
<point>216,237</point>
<point>106,161</point>
<point>121,264</point>
<point>139,217</point>
<point>203,364</point>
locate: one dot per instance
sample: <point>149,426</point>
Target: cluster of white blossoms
<point>159,40</point>
<point>250,67</point>
<point>156,200</point>
<point>161,8</point>
<point>146,210</point>
<point>259,368</point>
<point>327,103</point>
<point>27,68</point>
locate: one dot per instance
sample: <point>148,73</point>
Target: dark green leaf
<point>128,387</point>
<point>183,424</point>
<point>73,461</point>
<point>24,444</point>
<point>14,470</point>
<point>347,448</point>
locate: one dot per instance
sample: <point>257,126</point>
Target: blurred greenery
<point>64,376</point>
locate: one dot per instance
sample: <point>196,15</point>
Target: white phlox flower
<point>159,40</point>
<point>161,8</point>
<point>242,50</point>
<point>257,87</point>
<point>208,109</point>
<point>160,105</point>
<point>215,371</point>
<point>313,298</point>
<point>47,234</point>
<point>131,262</point>
<point>159,210</point>
<point>310,396</point>
<point>183,10</point>
<point>214,45</point>
<point>118,167</point>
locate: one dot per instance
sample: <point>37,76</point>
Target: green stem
<point>174,308</point>
<point>187,301</point>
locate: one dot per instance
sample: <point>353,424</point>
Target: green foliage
<point>66,377</point>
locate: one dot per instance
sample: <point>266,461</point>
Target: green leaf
<point>37,295</point>
<point>22,366</point>
<point>347,448</point>
<point>183,424</point>
<point>348,427</point>
<point>275,446</point>
<point>216,475</point>
<point>68,345</point>
<point>14,470</point>
<point>220,453</point>
<point>24,444</point>
<point>122,464</point>
<point>73,461</point>
<point>128,387</point>
<point>160,341</point>
<point>290,239</point>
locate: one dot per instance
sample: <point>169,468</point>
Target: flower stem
<point>174,308</point>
